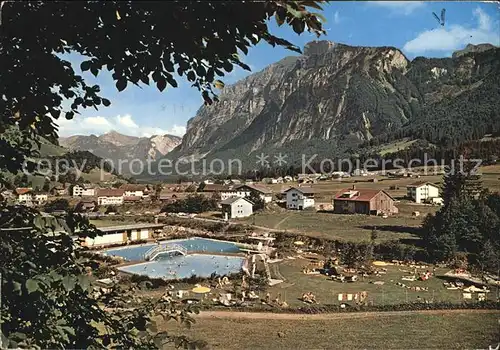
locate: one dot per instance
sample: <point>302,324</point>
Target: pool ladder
<point>152,253</point>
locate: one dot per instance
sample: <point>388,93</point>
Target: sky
<point>409,26</point>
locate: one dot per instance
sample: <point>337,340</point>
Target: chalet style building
<point>422,191</point>
<point>110,196</point>
<point>245,190</point>
<point>236,207</point>
<point>299,198</point>
<point>364,201</point>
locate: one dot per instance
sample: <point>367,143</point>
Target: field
<point>327,290</point>
<point>359,227</point>
<point>327,189</point>
<point>436,330</point>
<point>336,226</point>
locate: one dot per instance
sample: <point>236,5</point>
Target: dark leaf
<point>206,98</point>
<point>85,66</point>
<point>121,84</point>
<point>55,113</point>
<point>145,79</point>
<point>191,76</point>
<point>171,81</point>
<point>298,26</point>
<point>106,102</point>
<point>161,83</point>
<point>228,66</point>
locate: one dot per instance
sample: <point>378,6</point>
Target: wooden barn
<point>364,201</point>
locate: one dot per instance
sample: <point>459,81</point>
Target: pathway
<point>331,316</point>
<point>281,221</point>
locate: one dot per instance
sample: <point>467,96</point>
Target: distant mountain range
<point>116,146</point>
<point>335,98</point>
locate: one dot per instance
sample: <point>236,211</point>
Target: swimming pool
<point>136,253</point>
<point>177,267</point>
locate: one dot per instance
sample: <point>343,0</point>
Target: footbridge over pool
<point>157,250</point>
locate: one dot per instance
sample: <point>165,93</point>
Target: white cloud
<point>399,7</point>
<point>336,17</point>
<point>122,124</point>
<point>126,121</point>
<point>454,37</point>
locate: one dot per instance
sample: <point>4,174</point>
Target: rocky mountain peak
<point>118,139</point>
<point>318,47</point>
<point>473,48</point>
<point>116,146</point>
<point>333,96</point>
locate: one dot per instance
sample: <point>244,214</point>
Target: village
<point>277,229</point>
<point>295,193</point>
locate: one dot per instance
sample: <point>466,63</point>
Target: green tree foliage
<point>58,204</point>
<point>46,185</point>
<point>46,301</point>
<point>21,180</point>
<point>258,202</point>
<point>194,203</point>
<point>468,223</point>
<point>111,209</point>
<point>138,42</point>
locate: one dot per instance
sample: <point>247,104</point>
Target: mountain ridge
<point>119,147</point>
<point>335,96</point>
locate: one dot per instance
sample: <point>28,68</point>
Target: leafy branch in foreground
<point>48,300</point>
<point>139,42</point>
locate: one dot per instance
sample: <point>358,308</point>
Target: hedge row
<point>330,308</point>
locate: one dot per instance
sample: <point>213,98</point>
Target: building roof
<point>361,195</point>
<point>303,190</point>
<point>110,192</point>
<point>132,199</point>
<point>86,186</point>
<point>214,188</point>
<point>232,200</point>
<point>132,187</point>
<point>421,183</point>
<point>129,227</point>
<point>23,190</point>
<point>256,187</point>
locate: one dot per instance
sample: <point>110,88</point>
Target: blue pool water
<point>176,267</point>
<point>136,253</point>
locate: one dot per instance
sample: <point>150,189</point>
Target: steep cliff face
<point>334,94</point>
<point>332,91</point>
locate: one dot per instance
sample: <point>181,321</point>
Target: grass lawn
<point>414,331</point>
<point>327,290</point>
<point>337,226</point>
